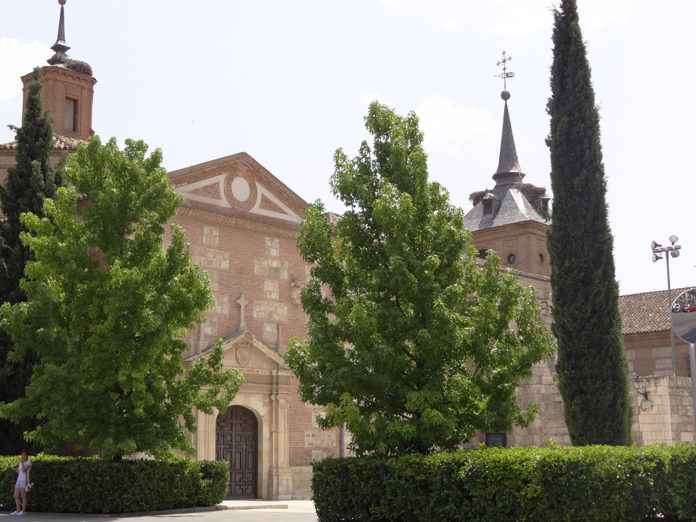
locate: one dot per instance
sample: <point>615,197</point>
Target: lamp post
<point>671,250</point>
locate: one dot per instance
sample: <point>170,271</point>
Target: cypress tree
<point>28,183</point>
<point>591,364</point>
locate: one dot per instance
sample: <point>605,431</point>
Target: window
<point>541,258</point>
<point>70,119</point>
<point>482,253</point>
<point>496,440</point>
<point>487,207</point>
<point>511,259</point>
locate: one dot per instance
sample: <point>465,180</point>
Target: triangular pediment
<point>245,351</point>
<point>238,185</point>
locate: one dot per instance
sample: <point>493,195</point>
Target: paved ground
<point>298,511</point>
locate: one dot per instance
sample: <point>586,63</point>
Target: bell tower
<point>67,89</point>
<point>511,218</point>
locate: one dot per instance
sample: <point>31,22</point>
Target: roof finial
<point>505,74</point>
<point>60,48</point>
<point>509,170</point>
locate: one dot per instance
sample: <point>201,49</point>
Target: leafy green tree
<point>591,363</point>
<point>28,183</point>
<point>107,307</point>
<point>412,344</point>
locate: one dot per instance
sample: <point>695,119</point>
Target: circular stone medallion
<point>240,189</point>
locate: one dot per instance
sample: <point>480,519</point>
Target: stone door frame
<point>206,437</point>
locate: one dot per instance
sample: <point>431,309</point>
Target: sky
<point>290,82</point>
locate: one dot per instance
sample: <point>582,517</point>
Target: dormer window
<point>488,204</point>
<point>70,117</point>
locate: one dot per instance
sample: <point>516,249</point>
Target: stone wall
<point>662,404</point>
<point>541,388</point>
<point>662,410</point>
<point>549,425</point>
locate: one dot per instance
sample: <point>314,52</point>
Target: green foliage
<point>412,345</point>
<point>591,363</point>
<point>588,484</point>
<point>107,307</point>
<point>28,183</point>
<point>69,485</point>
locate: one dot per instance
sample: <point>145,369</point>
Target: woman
<point>22,485</point>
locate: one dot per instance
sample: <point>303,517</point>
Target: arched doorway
<point>236,442</point>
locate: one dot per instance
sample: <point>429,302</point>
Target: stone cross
<point>242,302</point>
<point>505,75</point>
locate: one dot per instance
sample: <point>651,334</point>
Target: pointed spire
<point>509,170</point>
<point>60,48</point>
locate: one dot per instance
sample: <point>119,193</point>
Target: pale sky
<point>289,82</point>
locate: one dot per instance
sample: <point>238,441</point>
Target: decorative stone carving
<point>243,355</point>
<point>242,302</point>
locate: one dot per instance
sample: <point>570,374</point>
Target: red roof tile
<point>647,312</point>
<point>59,143</point>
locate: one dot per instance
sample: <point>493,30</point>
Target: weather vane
<point>505,75</point>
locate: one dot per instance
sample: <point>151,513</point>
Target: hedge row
<point>84,485</point>
<point>590,484</point>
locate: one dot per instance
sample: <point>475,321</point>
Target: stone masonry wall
<point>662,404</point>
<point>662,410</point>
<point>541,388</point>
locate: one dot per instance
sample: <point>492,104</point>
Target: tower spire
<point>509,170</point>
<point>60,48</point>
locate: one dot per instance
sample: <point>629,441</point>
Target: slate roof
<point>507,161</point>
<point>511,200</point>
<point>511,206</point>
<point>59,143</point>
<point>646,312</point>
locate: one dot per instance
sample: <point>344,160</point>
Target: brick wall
<point>651,354</point>
<point>261,263</point>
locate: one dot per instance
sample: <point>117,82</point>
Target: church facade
<point>242,222</point>
<point>242,225</point>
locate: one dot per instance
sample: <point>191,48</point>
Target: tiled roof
<point>647,312</point>
<point>59,143</point>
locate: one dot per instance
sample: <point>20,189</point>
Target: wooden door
<point>237,443</point>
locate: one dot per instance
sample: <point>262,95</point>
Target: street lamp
<point>671,250</point>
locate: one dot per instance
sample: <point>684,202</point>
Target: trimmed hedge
<point>587,484</point>
<point>88,485</point>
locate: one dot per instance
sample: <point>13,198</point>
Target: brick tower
<point>67,93</point>
<point>512,218</point>
<point>68,89</point>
